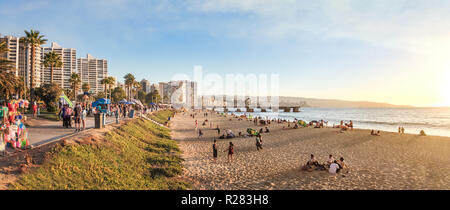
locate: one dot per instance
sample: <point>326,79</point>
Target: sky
<point>361,50</point>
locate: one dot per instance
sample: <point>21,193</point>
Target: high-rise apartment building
<point>61,76</point>
<point>145,85</point>
<point>12,44</point>
<point>92,71</point>
<point>25,56</point>
<point>164,92</point>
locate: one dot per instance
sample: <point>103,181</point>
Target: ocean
<point>434,121</point>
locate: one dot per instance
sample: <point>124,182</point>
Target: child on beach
<point>230,151</point>
<point>258,142</point>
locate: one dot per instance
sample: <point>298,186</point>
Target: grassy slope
<point>138,155</point>
<point>161,116</point>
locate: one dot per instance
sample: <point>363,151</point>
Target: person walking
<point>258,142</point>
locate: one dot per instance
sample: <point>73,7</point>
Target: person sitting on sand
<point>295,125</point>
<point>313,161</point>
<point>334,167</point>
<point>422,133</point>
<point>342,165</point>
<point>375,134</point>
<point>311,165</point>
<point>330,160</point>
<point>267,130</point>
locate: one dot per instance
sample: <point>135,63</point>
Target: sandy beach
<point>389,161</point>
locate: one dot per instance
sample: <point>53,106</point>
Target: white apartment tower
<point>61,76</point>
<point>12,44</point>
<point>25,64</point>
<point>92,71</point>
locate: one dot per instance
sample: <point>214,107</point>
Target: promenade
<point>47,131</point>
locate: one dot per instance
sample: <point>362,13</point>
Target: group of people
<point>230,151</point>
<point>333,166</point>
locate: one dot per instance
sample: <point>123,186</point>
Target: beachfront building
<point>154,87</point>
<point>61,76</point>
<point>92,71</point>
<point>164,92</point>
<point>183,93</point>
<point>145,85</point>
<point>12,44</point>
<point>25,64</point>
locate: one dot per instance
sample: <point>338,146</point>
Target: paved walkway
<point>51,130</point>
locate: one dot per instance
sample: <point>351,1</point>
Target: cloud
<point>404,25</point>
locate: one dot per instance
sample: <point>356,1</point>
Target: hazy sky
<point>373,50</point>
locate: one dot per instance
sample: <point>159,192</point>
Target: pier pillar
<point>296,109</point>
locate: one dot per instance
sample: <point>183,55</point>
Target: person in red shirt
<point>34,110</point>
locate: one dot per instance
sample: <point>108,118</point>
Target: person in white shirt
<point>333,167</point>
<point>330,160</point>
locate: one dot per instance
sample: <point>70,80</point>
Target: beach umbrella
<point>129,102</point>
<point>137,101</point>
<point>123,101</point>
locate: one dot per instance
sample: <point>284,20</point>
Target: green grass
<point>137,156</point>
<point>161,116</point>
<point>49,116</point>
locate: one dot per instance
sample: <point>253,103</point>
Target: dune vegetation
<point>138,155</point>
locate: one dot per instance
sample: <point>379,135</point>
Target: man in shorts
<point>77,117</point>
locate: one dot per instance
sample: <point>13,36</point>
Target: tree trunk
<point>33,50</point>
<point>51,74</point>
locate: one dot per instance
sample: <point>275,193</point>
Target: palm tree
<point>104,82</point>
<point>86,87</point>
<point>129,81</point>
<point>75,82</point>
<point>111,81</point>
<point>33,39</point>
<point>52,60</point>
<point>7,84</point>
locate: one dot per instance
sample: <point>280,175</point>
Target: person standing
<point>258,142</point>
<point>214,151</point>
<point>34,109</point>
<point>200,133</point>
<point>116,112</point>
<point>230,152</point>
<point>83,117</point>
<point>77,117</point>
